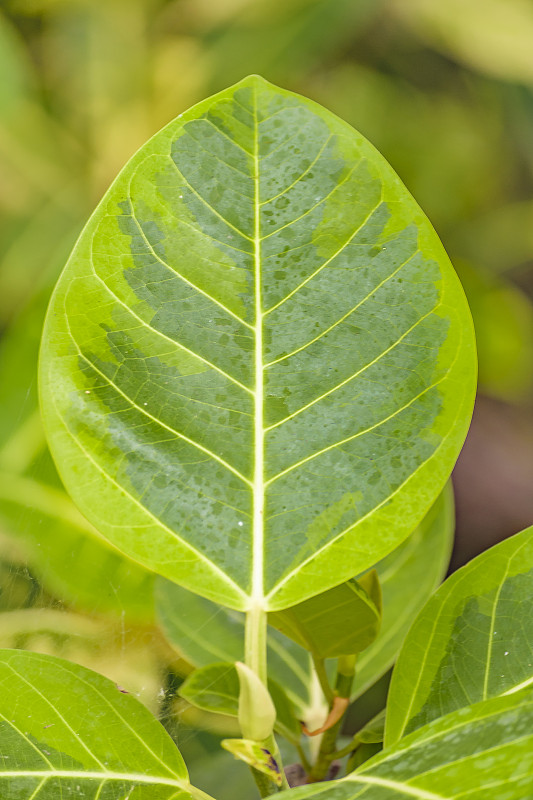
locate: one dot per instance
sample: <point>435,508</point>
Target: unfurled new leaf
<point>341,621</point>
<point>258,365</point>
<point>257,713</point>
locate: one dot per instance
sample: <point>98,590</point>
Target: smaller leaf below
<point>342,621</point>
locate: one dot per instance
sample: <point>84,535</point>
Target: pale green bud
<point>257,713</point>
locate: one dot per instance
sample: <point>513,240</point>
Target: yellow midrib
<point>257,598</point>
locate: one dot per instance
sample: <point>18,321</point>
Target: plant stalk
<point>255,657</point>
<point>327,752</point>
<point>255,651</point>
<point>263,783</point>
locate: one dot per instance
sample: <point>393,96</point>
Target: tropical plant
<point>257,371</point>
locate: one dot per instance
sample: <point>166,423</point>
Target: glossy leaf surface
<point>216,688</point>
<point>341,621</point>
<point>67,731</point>
<point>473,640</point>
<point>258,366</point>
<point>476,753</point>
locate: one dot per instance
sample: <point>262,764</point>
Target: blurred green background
<point>443,89</point>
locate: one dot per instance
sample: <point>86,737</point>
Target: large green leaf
<point>484,752</point>
<point>473,640</point>
<point>258,366</point>
<point>67,731</point>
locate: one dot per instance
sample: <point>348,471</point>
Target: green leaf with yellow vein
<point>481,752</point>
<point>254,755</point>
<point>473,640</point>
<point>67,731</point>
<point>258,365</point>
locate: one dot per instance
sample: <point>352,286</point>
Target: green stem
<point>346,751</point>
<point>255,651</point>
<point>255,657</point>
<point>328,745</point>
<point>272,745</point>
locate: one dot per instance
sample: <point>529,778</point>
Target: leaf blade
<point>180,323</point>
<point>466,754</point>
<point>216,688</point>
<point>57,745</point>
<point>342,621</point>
<point>420,561</point>
<point>205,633</point>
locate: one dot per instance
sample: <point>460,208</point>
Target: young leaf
<point>341,621</point>
<point>257,712</point>
<point>66,730</point>
<point>472,641</point>
<point>216,688</point>
<point>374,730</point>
<point>199,413</point>
<point>480,752</point>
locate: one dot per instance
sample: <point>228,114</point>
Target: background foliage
<point>444,90</point>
